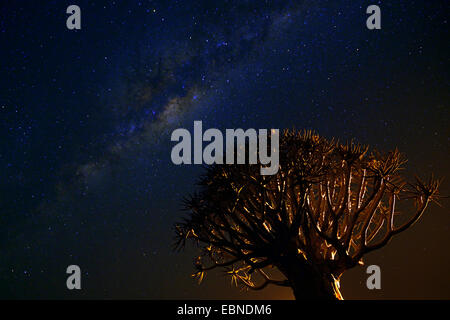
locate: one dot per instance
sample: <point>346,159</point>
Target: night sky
<point>86,115</point>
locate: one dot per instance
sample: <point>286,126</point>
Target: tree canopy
<point>329,204</point>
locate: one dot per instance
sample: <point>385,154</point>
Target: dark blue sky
<point>86,116</point>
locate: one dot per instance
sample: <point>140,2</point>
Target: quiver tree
<point>328,206</point>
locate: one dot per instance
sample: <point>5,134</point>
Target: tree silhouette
<point>328,206</point>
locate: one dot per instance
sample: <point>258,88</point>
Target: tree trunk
<point>308,282</point>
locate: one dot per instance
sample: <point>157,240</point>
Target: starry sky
<point>86,116</point>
